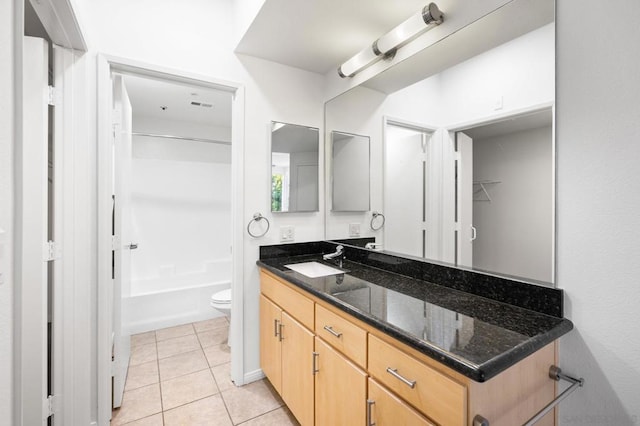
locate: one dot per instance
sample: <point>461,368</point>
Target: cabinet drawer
<point>343,335</point>
<point>432,393</point>
<point>386,409</point>
<point>298,306</point>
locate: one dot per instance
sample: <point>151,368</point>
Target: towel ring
<point>374,216</point>
<point>257,217</point>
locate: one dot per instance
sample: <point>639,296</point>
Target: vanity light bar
<point>387,45</point>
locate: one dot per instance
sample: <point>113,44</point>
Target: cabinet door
<point>270,347</point>
<point>341,388</point>
<point>386,409</point>
<point>297,369</point>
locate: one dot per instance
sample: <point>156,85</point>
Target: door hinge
<point>457,227</point>
<point>115,242</point>
<point>51,251</point>
<point>54,96</point>
<point>457,156</point>
<point>51,405</point>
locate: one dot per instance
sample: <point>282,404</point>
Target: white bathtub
<point>174,300</point>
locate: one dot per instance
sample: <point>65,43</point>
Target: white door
<point>405,191</point>
<point>122,144</point>
<point>466,231</point>
<point>34,234</point>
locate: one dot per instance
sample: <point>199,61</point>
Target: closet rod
<point>180,138</point>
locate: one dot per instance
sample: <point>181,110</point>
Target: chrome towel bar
<point>556,374</point>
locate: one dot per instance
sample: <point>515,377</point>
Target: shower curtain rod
<point>180,138</point>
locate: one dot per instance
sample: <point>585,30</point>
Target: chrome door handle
<point>132,246</point>
<point>332,331</point>
<point>474,233</point>
<point>394,373</point>
<point>370,403</point>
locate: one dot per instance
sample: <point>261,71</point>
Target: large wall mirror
<point>294,168</point>
<point>463,155</point>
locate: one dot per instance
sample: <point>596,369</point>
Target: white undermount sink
<point>314,269</point>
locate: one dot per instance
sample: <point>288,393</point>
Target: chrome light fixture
<point>387,45</point>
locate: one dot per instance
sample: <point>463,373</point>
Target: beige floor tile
<point>173,332</point>
<point>142,375</point>
<point>137,404</point>
<point>214,337</point>
<point>188,388</point>
<point>155,420</point>
<point>210,324</point>
<point>217,354</point>
<point>143,338</point>
<point>177,345</point>
<point>179,365</point>
<point>222,374</point>
<point>209,411</point>
<point>280,417</point>
<point>249,401</point>
<point>143,353</point>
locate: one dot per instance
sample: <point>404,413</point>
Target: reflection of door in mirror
<point>506,202</point>
<point>294,168</point>
<point>405,189</point>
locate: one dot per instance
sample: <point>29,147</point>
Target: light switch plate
<point>354,229</point>
<point>287,234</point>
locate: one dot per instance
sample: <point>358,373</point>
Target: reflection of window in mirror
<point>294,168</point>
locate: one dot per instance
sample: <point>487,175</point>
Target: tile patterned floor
<point>180,376</point>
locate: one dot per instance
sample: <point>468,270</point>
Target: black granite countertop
<point>474,335</point>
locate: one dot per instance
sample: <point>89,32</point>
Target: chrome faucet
<point>339,253</point>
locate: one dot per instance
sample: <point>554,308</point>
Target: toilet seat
<point>222,297</point>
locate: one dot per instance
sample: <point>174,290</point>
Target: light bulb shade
<point>360,61</point>
<point>428,17</point>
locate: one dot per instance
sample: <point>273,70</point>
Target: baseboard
<point>253,376</point>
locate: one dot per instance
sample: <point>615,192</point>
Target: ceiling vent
<point>201,104</point>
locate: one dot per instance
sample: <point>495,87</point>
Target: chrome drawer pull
<point>314,357</point>
<point>370,403</point>
<point>332,331</point>
<point>394,373</point>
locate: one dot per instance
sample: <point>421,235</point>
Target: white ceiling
<point>318,35</point>
<point>148,95</point>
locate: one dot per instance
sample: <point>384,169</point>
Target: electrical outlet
<point>287,234</point>
<point>354,229</point>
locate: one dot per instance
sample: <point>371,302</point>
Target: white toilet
<point>222,301</point>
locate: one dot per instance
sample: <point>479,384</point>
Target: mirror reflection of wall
<point>294,168</point>
<point>422,201</point>
<point>349,172</point>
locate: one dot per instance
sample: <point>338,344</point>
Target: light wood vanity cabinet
<point>333,369</point>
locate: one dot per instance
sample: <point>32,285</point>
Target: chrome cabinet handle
<point>275,328</point>
<point>370,403</point>
<point>280,325</point>
<point>332,331</point>
<point>314,368</point>
<point>394,373</point>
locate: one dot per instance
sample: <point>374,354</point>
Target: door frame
<point>106,65</point>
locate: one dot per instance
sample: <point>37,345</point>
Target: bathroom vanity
<point>391,340</point>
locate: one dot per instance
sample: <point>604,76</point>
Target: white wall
<point>6,207</point>
<point>598,190</point>
<point>181,208</point>
<point>515,228</point>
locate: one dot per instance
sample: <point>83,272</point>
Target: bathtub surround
<point>415,302</point>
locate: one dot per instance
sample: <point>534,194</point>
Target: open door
<point>34,253</point>
<point>405,191</point>
<point>465,229</point>
<point>122,145</point>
